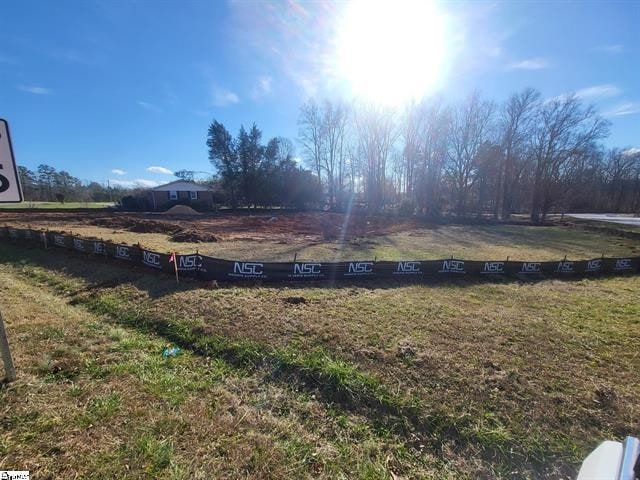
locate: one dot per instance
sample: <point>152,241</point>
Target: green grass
<point>455,379</point>
<point>128,412</point>
<point>56,205</point>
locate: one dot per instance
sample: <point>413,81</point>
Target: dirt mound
<point>181,210</point>
<point>193,236</point>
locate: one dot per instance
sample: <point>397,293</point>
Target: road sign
<point>10,191</point>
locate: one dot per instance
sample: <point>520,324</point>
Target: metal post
<point>10,372</point>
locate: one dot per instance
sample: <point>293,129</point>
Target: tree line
<point>473,157</point>
<point>47,184</point>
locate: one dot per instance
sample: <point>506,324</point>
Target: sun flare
<point>391,52</point>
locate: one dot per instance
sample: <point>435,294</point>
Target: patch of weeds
<point>117,334</point>
<point>100,408</point>
<point>76,391</point>
<point>152,454</point>
<point>95,370</point>
<point>48,332</point>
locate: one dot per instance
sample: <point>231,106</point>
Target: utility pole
<point>9,370</point>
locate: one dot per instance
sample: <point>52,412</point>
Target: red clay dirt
<point>307,226</point>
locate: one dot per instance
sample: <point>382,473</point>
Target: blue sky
<point>110,89</point>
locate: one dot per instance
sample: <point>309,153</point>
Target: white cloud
<point>146,183</point>
<point>631,151</point>
<point>610,48</point>
<point>598,91</point>
<point>161,170</point>
<point>150,106</point>
<point>530,64</point>
<point>627,108</point>
<point>139,182</point>
<point>117,171</point>
<point>262,87</point>
<point>35,90</point>
<point>221,97</point>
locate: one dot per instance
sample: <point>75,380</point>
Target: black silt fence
<point>208,268</point>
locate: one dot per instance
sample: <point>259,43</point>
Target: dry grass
<point>507,380</point>
<point>98,400</point>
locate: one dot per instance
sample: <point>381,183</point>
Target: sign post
<point>10,192</point>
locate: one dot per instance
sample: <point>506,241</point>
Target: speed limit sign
<point>10,191</point>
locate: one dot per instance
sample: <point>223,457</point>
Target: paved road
<point>608,217</point>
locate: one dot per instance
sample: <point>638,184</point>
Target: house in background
<point>180,191</point>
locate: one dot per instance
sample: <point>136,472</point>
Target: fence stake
<point>295,257</point>
<point>9,370</point>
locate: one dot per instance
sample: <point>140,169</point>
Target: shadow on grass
<point>99,272</point>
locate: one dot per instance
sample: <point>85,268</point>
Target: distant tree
<point>29,183</point>
<point>223,156</point>
<point>46,181</point>
<point>187,175</point>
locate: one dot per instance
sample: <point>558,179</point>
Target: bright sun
<point>391,52</point>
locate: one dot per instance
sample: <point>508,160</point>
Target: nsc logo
<point>531,267</point>
<point>189,263</point>
<point>59,240</point>
<point>248,270</point>
<point>307,270</point>
<point>494,268</point>
<point>359,268</point>
<point>78,244</point>
<point>623,264</point>
<point>594,265</point>
<point>408,268</point>
<point>151,259</point>
<point>452,266</point>
<point>98,248</point>
<point>564,266</point>
<point>122,252</point>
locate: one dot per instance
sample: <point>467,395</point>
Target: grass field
<point>454,380</point>
<point>55,205</point>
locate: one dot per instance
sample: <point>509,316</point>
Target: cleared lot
<point>459,380</point>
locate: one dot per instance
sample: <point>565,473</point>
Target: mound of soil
<point>136,225</point>
<point>193,236</point>
<point>181,210</point>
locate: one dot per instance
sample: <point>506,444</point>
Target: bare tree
<point>470,128</point>
<point>516,123</point>
<point>377,133</point>
<point>564,130</point>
